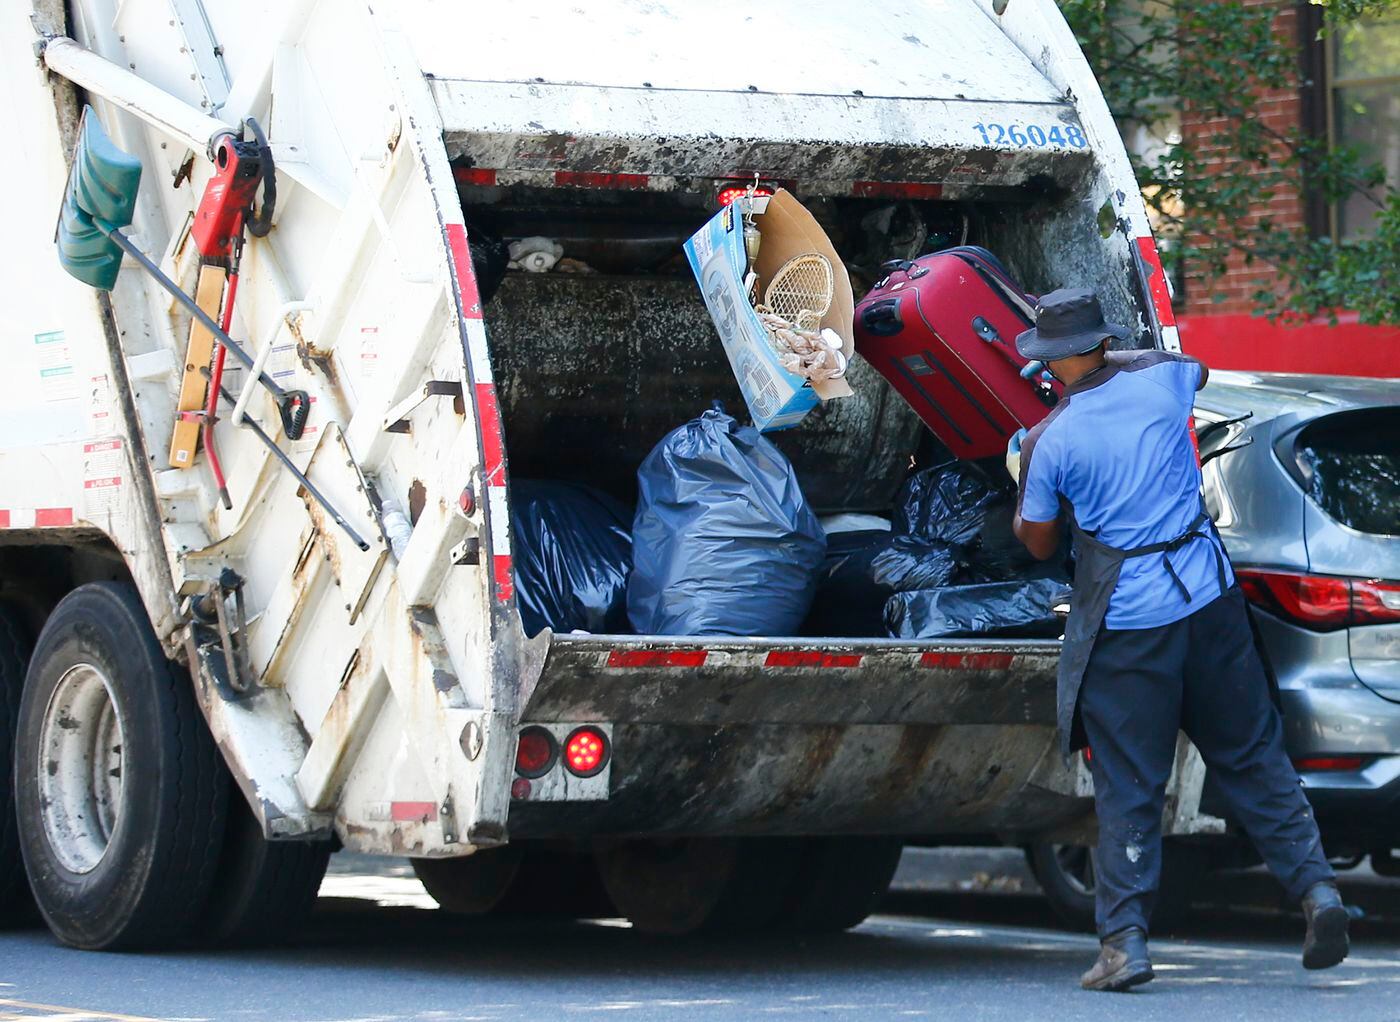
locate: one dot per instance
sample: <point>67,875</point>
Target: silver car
<point>1306,494</point>
<point>1302,476</point>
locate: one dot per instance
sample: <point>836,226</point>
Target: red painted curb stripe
<point>967,661</point>
<point>1156,281</point>
<point>657,657</point>
<point>811,658</point>
<point>462,268</point>
<point>587,179</point>
<point>412,812</point>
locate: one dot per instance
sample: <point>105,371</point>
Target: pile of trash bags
<point>723,542</point>
<point>948,566</point>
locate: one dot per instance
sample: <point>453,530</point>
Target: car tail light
<point>1322,603</point>
<point>1332,763</point>
<point>729,193</point>
<point>586,751</point>
<point>535,752</point>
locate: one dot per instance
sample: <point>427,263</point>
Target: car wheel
<point>121,796</point>
<point>1068,875</point>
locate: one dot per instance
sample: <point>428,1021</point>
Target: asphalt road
<point>378,951</point>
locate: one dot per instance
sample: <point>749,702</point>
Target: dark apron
<point>1096,568</point>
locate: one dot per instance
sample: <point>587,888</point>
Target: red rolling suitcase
<point>942,329</point>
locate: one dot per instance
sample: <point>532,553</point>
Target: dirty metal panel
<point>771,681</point>
<point>593,371</point>
<point>333,471</point>
<point>924,780</point>
<point>535,127</point>
<point>947,49</point>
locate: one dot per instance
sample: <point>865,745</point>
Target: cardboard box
<point>776,398</point>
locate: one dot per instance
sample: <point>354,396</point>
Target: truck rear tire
<point>263,890</point>
<point>120,792</point>
<point>838,882</point>
<point>16,906</point>
<point>471,885</point>
<point>690,885</point>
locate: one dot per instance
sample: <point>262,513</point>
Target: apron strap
<point>1167,547</point>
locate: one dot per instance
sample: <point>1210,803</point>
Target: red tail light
<point>1333,763</point>
<point>536,752</point>
<point>1322,603</point>
<point>729,193</point>
<point>586,752</point>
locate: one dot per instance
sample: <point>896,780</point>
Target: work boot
<point>1326,943</point>
<point>1122,963</point>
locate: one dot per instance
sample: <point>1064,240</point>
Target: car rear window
<point>1350,465</point>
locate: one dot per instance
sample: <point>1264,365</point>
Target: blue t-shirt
<point>1117,451</point>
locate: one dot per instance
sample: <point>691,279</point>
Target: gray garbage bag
<point>723,541</point>
<point>572,557</point>
<point>995,608</point>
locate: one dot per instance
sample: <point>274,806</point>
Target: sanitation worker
<point>1157,638</point>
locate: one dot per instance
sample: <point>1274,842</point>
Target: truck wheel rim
<point>80,771</point>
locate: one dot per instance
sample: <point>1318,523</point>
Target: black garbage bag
<point>723,541</point>
<point>1006,609</point>
<point>864,569</point>
<point>957,502</point>
<point>573,553</point>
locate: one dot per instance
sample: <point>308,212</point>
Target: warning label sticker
<point>103,468</point>
<point>57,380</point>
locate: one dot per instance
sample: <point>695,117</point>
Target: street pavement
<point>979,945</point>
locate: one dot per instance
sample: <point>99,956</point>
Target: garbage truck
<point>257,591</point>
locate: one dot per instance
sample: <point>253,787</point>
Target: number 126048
<point>1032,135</point>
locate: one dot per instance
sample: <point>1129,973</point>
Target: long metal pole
<point>204,319</point>
<point>287,463</point>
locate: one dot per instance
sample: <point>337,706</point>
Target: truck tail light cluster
<point>1322,603</point>
<point>585,752</point>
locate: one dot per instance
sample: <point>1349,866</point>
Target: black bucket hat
<point>1067,322</point>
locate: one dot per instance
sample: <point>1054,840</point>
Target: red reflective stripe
<point>967,661</point>
<point>4,519</point>
<point>412,812</point>
<point>895,190</point>
<point>588,179</point>
<point>52,517</point>
<point>1156,281</point>
<point>657,657</point>
<point>811,658</point>
<point>493,445</point>
<point>474,176</point>
<point>462,270</point>
<point>504,576</point>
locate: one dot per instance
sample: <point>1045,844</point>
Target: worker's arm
<point>1042,539</point>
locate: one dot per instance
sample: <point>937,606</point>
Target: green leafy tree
<point>1215,58</point>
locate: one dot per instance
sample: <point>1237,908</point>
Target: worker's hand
<point>1013,455</point>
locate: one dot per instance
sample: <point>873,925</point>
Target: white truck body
<point>387,692</point>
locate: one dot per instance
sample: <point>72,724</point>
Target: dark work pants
<point>1203,675</point>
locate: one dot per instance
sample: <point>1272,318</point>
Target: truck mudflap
<point>775,736</point>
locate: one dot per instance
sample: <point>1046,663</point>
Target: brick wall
<point>1232,292</point>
